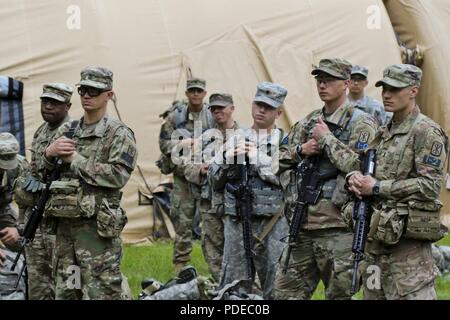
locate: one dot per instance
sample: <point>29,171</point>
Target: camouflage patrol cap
<point>196,83</point>
<point>220,100</point>
<point>96,77</point>
<point>338,68</point>
<point>9,148</point>
<point>57,91</point>
<point>401,76</point>
<point>356,69</point>
<point>271,93</point>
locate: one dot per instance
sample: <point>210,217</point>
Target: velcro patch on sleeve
<point>432,161</point>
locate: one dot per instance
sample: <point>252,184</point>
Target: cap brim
<point>327,71</point>
<point>360,73</point>
<point>94,84</point>
<point>195,86</point>
<point>391,82</point>
<point>219,104</point>
<point>270,102</point>
<point>53,96</point>
<point>9,164</point>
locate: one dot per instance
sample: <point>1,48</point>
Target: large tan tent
<point>153,46</point>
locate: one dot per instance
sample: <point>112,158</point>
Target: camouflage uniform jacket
<point>212,142</point>
<point>265,184</point>
<point>410,164</point>
<point>106,157</point>
<point>360,129</point>
<point>372,107</point>
<point>41,138</point>
<point>178,117</point>
<point>8,216</point>
<point>43,135</point>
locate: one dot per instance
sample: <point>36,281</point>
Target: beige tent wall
<point>151,45</point>
<point>427,24</point>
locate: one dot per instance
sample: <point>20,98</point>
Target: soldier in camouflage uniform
<point>9,233</point>
<point>322,250</point>
<point>267,222</point>
<point>356,96</point>
<point>55,105</point>
<point>97,163</point>
<point>177,131</point>
<point>411,154</point>
<point>222,108</point>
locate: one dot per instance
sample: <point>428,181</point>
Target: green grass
<point>155,261</point>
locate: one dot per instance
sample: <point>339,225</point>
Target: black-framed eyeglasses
<point>325,80</point>
<point>91,91</point>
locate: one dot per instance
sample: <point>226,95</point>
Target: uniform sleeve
<point>346,157</point>
<point>48,163</point>
<point>288,155</point>
<point>217,173</point>
<point>192,173</point>
<point>116,172</point>
<point>8,217</point>
<point>165,137</point>
<point>430,154</point>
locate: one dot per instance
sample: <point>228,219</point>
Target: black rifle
<point>244,199</point>
<point>362,215</point>
<point>309,191</point>
<point>38,210</point>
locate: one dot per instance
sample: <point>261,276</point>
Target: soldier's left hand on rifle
<point>361,185</point>
<point>9,236</point>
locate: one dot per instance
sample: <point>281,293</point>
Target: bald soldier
<point>177,131</point>
<point>411,152</point>
<point>322,249</point>
<point>55,105</point>
<point>357,96</point>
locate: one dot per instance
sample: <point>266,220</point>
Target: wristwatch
<point>376,189</point>
<point>298,149</point>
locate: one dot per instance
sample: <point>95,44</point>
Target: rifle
<point>244,199</point>
<point>38,210</point>
<point>309,191</point>
<point>362,215</point>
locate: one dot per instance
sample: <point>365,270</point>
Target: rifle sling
<point>270,225</point>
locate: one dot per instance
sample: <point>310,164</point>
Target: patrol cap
<point>271,93</point>
<point>9,148</point>
<point>220,100</point>
<point>57,91</point>
<point>356,69</point>
<point>97,77</point>
<point>196,83</point>
<point>401,76</point>
<point>338,68</point>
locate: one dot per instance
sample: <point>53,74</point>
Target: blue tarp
<point>11,109</point>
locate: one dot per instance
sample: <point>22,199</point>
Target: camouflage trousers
<point>184,205</point>
<point>9,278</point>
<point>213,239</point>
<point>407,272</point>
<point>318,255</point>
<point>39,254</point>
<point>87,266</point>
<point>266,253</point>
